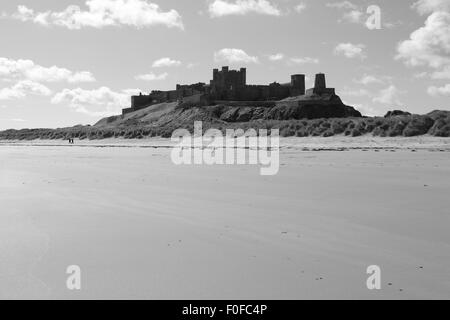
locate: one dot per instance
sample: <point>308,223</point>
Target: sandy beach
<point>142,228</point>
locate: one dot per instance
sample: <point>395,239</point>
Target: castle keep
<point>230,86</point>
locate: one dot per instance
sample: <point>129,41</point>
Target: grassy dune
<point>162,120</point>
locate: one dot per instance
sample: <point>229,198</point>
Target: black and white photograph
<point>224,150</point>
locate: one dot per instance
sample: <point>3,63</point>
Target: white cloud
<point>233,56</point>
<point>429,6</point>
<point>300,7</point>
<point>342,5</point>
<point>152,76</point>
<point>351,12</point>
<point>421,75</point>
<point>367,110</point>
<point>389,96</point>
<point>355,92</point>
<point>369,79</point>
<point>442,74</point>
<point>220,8</point>
<point>358,14</point>
<point>23,88</point>
<point>99,102</point>
<point>439,91</point>
<point>276,57</point>
<point>83,76</point>
<point>350,50</point>
<point>104,13</point>
<point>428,45</point>
<point>304,60</point>
<point>14,69</point>
<point>353,16</point>
<point>132,92</point>
<point>166,62</point>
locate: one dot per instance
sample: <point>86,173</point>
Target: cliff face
<point>313,107</point>
<point>293,108</point>
<point>308,111</point>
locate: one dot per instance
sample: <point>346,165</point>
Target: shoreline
<point>336,143</point>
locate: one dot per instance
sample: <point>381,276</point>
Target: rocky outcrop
<point>296,108</point>
<point>312,111</point>
<point>245,114</point>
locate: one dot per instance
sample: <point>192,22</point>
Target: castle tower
<point>297,84</point>
<point>244,76</point>
<point>320,83</point>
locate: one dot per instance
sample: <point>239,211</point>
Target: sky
<point>70,62</point>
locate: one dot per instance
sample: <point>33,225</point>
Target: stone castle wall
<point>231,85</point>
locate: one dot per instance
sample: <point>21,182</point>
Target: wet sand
<point>140,227</point>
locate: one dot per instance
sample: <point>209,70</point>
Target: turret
<point>320,86</point>
<point>244,76</point>
<point>297,84</point>
<point>320,83</point>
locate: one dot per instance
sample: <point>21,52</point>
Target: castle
<point>230,86</point>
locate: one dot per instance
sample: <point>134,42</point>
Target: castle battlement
<point>231,85</point>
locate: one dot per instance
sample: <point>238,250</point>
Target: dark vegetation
<point>289,122</point>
